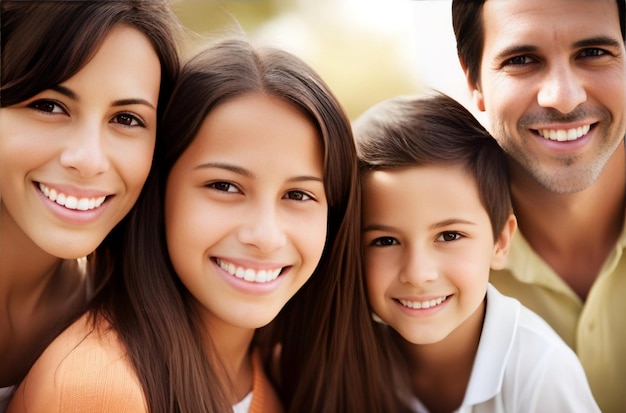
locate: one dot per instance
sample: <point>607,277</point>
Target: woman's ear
<point>501,247</point>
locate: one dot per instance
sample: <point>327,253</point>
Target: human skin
<point>246,216</point>
<point>427,263</point>
<point>90,137</point>
<point>554,94</point>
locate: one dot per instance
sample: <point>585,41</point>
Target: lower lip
<point>422,312</point>
<point>73,216</point>
<point>250,287</point>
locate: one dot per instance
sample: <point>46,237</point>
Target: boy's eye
<point>449,236</point>
<point>384,241</point>
<point>48,106</point>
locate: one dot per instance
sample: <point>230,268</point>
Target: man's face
<point>554,93</point>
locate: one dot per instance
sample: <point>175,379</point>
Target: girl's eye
<point>48,106</point>
<point>298,196</point>
<point>384,241</point>
<point>223,186</point>
<point>449,236</point>
<point>127,119</point>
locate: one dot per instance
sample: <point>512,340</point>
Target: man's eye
<point>518,61</point>
<point>594,52</point>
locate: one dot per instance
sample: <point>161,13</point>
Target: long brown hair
<point>44,43</point>
<point>326,336</point>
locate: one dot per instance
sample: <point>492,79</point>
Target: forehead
<point>415,188</point>
<point>533,22</point>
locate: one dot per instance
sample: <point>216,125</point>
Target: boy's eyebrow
<point>450,221</point>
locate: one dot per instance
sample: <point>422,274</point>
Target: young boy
<point>437,217</point>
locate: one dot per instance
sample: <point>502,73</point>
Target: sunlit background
<point>366,50</point>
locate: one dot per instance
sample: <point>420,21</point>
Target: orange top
<point>88,371</point>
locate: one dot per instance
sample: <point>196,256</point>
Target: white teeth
<point>422,304</point>
<point>69,201</point>
<point>563,135</point>
<point>248,274</point>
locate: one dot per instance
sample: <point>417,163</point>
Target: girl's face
<point>246,210</point>
<point>428,248</point>
<point>74,158</point>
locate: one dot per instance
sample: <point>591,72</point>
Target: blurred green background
<point>364,49</point>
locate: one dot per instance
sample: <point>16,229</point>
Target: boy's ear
<point>501,247</point>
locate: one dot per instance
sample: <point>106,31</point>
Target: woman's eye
<point>48,106</point>
<point>384,241</point>
<point>298,196</point>
<point>127,119</point>
<point>449,236</point>
<point>223,186</point>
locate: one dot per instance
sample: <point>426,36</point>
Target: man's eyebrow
<point>515,50</point>
<point>598,41</point>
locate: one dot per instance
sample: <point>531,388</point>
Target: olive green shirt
<point>594,329</point>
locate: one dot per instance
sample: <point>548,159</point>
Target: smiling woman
<point>244,243</point>
<point>78,121</point>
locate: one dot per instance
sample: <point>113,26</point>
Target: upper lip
<point>71,190</point>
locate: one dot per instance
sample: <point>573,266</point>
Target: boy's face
<point>428,248</point>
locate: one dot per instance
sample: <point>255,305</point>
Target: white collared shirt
<point>522,366</point>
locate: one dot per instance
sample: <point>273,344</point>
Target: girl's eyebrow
<point>121,102</point>
<point>226,166</point>
<point>244,172</point>
<point>378,227</point>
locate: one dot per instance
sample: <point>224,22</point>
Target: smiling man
<point>551,77</point>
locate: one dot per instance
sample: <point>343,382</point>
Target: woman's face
<point>246,210</point>
<point>74,158</point>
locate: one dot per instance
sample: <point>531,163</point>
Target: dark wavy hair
<point>44,43</point>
